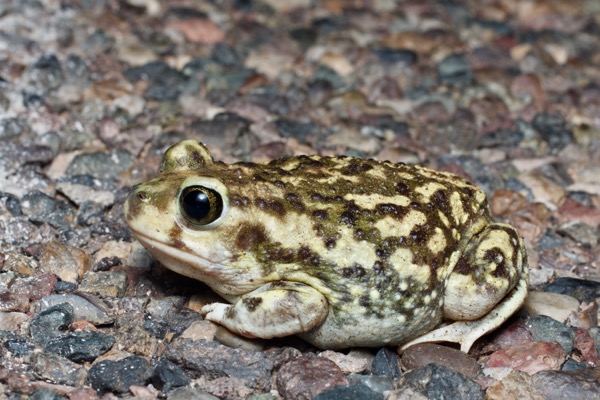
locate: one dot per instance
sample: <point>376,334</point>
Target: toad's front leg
<point>487,285</point>
<point>274,310</point>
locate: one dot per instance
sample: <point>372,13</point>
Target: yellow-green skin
<point>341,251</point>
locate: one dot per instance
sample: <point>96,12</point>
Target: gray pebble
<point>546,329</point>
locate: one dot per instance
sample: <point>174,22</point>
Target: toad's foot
<point>274,310</point>
<point>466,333</point>
<point>488,284</point>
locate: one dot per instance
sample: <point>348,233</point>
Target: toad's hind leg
<point>487,285</point>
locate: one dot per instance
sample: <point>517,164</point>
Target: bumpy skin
<point>342,251</point>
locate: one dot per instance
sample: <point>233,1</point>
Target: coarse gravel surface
<point>505,93</point>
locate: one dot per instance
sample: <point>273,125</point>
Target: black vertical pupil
<point>196,204</point>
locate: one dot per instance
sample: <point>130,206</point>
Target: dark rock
<point>557,173</point>
<point>572,365</point>
<point>395,56</point>
<point>551,240</point>
<point>168,375</point>
<point>45,394</point>
<point>581,232</point>
<point>40,208</point>
<point>118,376</point>
<point>304,36</point>
<point>19,346</point>
<point>149,71</point>
<point>11,128</point>
<point>502,138</point>
<point>101,165</point>
<point>303,131</point>
<point>156,327</point>
<point>584,198</point>
<point>80,345</point>
<point>455,70</point>
<point>582,384</point>
<point>225,55</point>
<point>582,290</point>
<point>99,42</point>
<point>166,83</point>
<point>33,100</point>
<point>546,329</point>
<point>553,130</point>
<point>499,27</point>
<point>223,128</point>
<point>62,287</point>
<point>181,319</point>
<point>58,370</point>
<point>386,362</point>
<point>436,382</point>
<point>76,69</point>
<point>51,323</point>
<point>307,376</point>
<point>90,214</point>
<point>47,73</point>
<point>378,384</point>
<point>12,204</point>
<point>326,74</point>
<point>197,65</point>
<point>159,42</point>
<point>350,392</point>
<point>213,360</point>
<point>271,101</point>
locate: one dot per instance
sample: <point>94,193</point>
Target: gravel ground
<point>505,93</point>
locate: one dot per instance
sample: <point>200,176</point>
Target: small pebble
<point>547,329</point>
<point>40,208</point>
<point>218,360</point>
<point>553,129</point>
<point>580,232</point>
<point>558,306</point>
<point>376,383</point>
<point>83,309</point>
<point>529,357</point>
<point>168,375</point>
<point>80,345</point>
<point>51,322</point>
<point>581,289</point>
<point>57,369</point>
<point>517,385</point>
<point>118,376</point>
<point>101,165</point>
<point>455,70</point>
<point>353,362</point>
<point>581,384</point>
<point>422,354</point>
<point>66,262</point>
<point>109,283</point>
<point>307,376</point>
<point>436,382</point>
<point>386,363</point>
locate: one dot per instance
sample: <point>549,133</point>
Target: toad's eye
<point>200,205</point>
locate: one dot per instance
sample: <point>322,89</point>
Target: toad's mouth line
<point>186,263</point>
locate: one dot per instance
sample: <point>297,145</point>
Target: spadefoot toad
<point>341,251</point>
